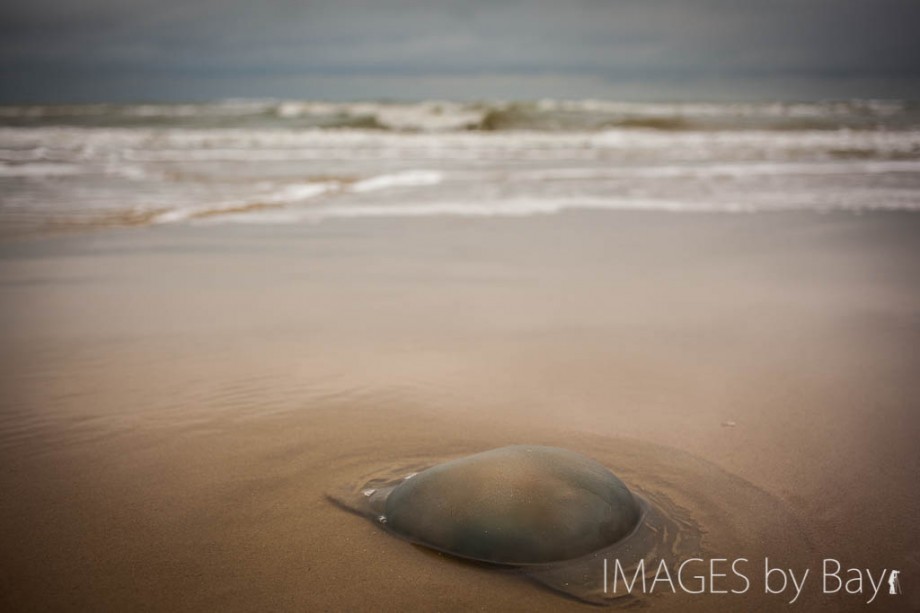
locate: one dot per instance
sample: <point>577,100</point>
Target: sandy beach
<point>177,401</point>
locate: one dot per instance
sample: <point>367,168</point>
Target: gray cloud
<point>200,48</point>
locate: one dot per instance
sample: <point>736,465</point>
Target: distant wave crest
<point>446,116</point>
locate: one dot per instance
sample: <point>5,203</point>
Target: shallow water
<point>68,168</point>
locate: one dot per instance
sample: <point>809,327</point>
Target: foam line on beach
<point>298,193</point>
<point>713,170</point>
<point>288,195</point>
<point>517,208</point>
<point>411,178</point>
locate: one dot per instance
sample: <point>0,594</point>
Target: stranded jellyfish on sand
<point>515,505</point>
<point>551,513</point>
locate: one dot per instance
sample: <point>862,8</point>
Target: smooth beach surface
<point>177,401</point>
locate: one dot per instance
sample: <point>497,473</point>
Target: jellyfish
<point>550,514</point>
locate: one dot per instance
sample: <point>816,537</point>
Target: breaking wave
<point>445,116</point>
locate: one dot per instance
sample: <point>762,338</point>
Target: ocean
<point>277,162</point>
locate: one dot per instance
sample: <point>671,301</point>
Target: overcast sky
<point>81,50</point>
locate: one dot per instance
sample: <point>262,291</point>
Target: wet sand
<point>177,401</point>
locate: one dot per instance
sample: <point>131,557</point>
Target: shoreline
<point>141,221</point>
